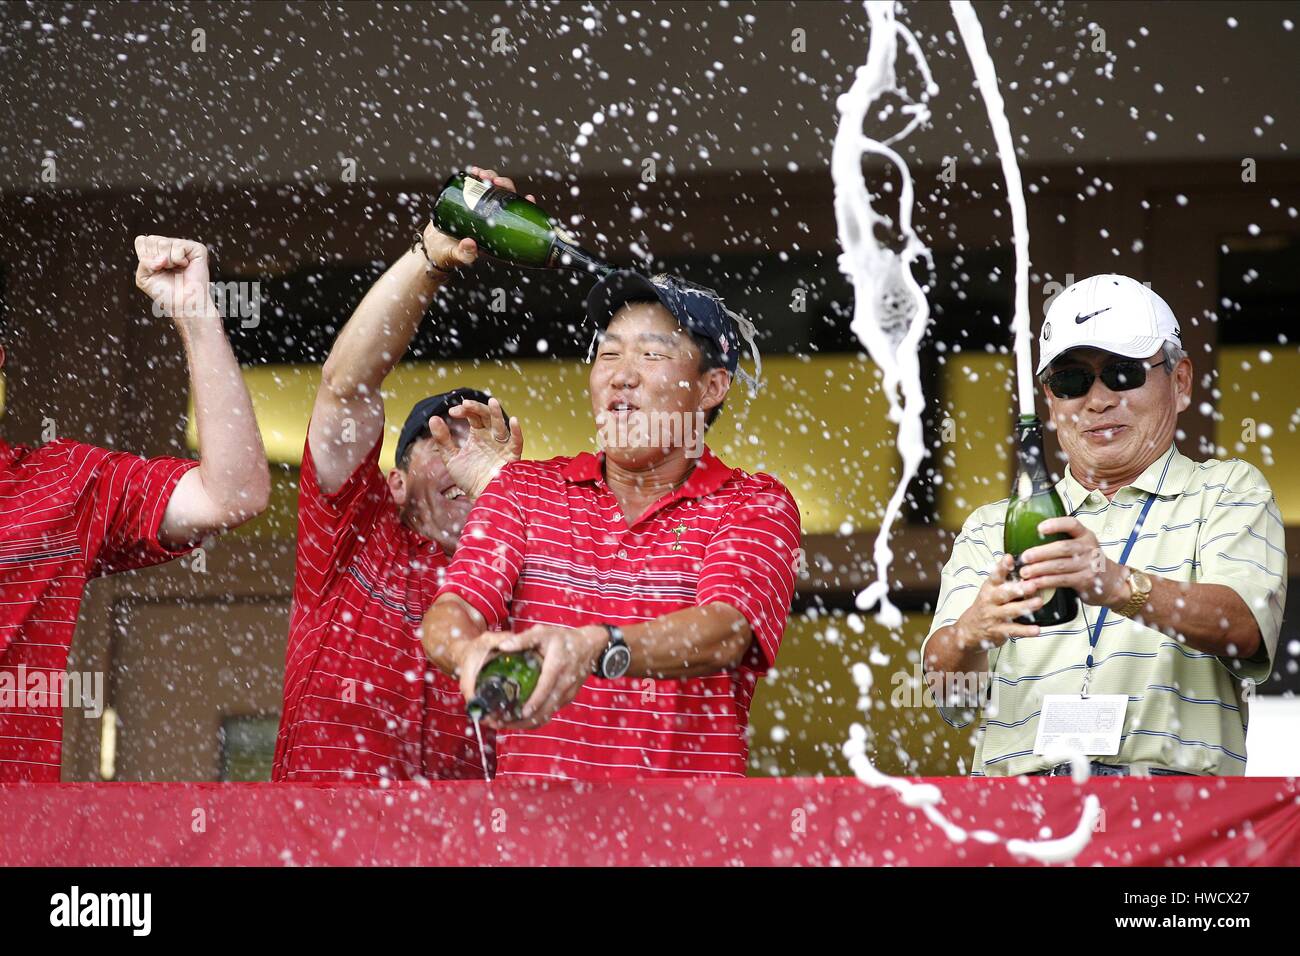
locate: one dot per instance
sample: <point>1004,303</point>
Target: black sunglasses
<point>1118,376</point>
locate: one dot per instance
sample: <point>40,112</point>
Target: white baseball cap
<point>1109,312</point>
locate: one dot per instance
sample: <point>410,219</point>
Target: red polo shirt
<point>68,512</point>
<point>361,701</point>
<point>548,544</point>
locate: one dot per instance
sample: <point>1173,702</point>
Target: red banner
<point>1168,821</point>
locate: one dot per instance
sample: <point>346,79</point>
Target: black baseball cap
<point>696,308</point>
<point>417,423</point>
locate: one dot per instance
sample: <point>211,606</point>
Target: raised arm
<point>232,483</point>
<point>348,416</point>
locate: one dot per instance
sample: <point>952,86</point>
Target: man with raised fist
<point>70,512</point>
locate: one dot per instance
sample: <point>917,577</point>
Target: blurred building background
<point>303,144</point>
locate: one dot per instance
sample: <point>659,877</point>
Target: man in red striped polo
<point>361,703</point>
<point>653,580</point>
<point>70,512</point>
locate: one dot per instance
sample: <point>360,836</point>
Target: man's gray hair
<point>1172,354</point>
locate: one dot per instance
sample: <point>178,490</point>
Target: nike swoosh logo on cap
<point>1080,319</point>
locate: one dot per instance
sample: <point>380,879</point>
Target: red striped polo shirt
<point>548,544</point>
<point>361,701</point>
<point>68,512</point>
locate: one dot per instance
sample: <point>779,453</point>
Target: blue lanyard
<point>1101,618</point>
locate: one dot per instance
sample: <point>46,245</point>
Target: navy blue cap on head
<point>696,308</point>
<point>417,423</point>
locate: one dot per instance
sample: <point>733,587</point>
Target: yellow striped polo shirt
<point>1211,522</point>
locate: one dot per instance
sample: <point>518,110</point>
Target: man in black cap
<point>653,580</point>
<point>360,701</point>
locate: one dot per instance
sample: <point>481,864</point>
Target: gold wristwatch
<point>1140,587</point>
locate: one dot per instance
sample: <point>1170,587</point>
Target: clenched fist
<point>174,274</point>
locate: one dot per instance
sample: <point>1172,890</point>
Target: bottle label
<point>1024,486</point>
<point>474,190</point>
<point>511,686</point>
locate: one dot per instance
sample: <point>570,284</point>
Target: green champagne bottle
<point>503,684</point>
<point>1034,499</point>
<point>509,227</point>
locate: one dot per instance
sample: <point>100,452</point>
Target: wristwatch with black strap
<point>616,658</point>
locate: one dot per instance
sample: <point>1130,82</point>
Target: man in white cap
<point>1180,567</point>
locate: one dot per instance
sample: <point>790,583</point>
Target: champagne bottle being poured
<point>509,227</point>
<point>503,685</point>
<point>1034,500</point>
